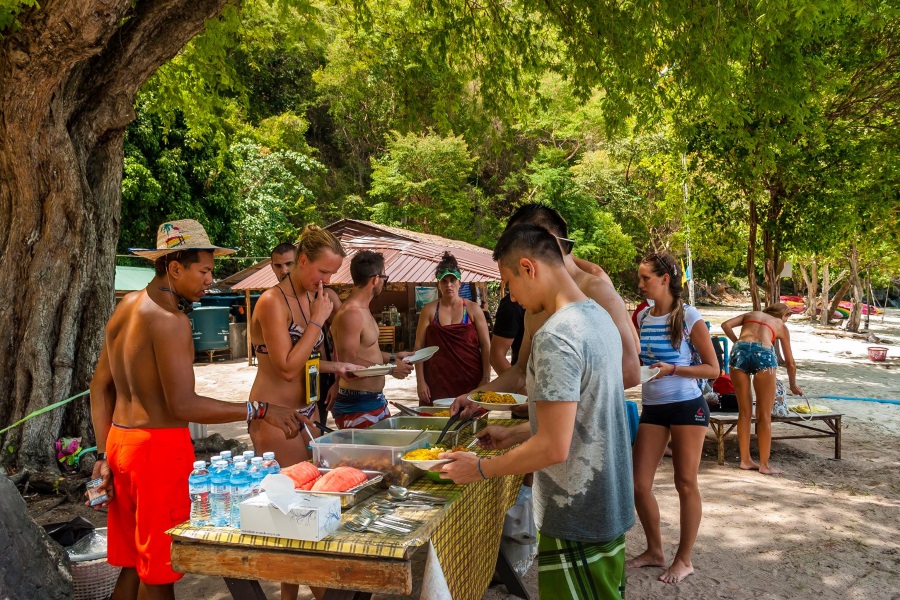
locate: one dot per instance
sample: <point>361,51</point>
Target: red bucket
<point>877,353</point>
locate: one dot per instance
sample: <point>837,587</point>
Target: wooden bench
<point>719,422</point>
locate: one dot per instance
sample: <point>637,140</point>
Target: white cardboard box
<point>309,518</point>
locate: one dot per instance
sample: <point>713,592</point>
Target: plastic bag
<point>780,408</point>
<point>519,540</point>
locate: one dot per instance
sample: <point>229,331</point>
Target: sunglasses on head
<point>565,244</point>
<point>673,270</point>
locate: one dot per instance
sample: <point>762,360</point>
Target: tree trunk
<point>751,256</point>
<point>68,79</point>
<point>813,289</point>
<point>856,311</point>
<point>825,315</point>
<point>770,247</point>
<point>838,296</point>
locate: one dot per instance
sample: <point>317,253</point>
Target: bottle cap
<point>268,455</point>
<point>200,464</point>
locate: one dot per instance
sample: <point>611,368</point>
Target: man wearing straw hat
<point>142,398</point>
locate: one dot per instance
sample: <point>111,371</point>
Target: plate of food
<point>421,355</point>
<point>373,371</point>
<point>427,458</point>
<point>497,400</point>
<point>648,373</point>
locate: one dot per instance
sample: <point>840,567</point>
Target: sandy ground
<point>824,529</point>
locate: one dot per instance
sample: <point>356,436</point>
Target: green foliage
<point>421,184</point>
<point>443,116</point>
<point>9,12</point>
<point>273,195</point>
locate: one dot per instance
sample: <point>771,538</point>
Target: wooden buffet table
<point>465,534</point>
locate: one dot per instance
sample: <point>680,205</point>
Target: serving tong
<point>477,414</point>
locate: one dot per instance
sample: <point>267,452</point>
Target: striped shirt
<point>656,346</point>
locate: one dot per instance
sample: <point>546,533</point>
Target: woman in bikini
<point>287,334</point>
<point>753,362</point>
<point>458,327</point>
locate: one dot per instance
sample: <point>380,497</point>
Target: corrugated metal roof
<point>410,257</point>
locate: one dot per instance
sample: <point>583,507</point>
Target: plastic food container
<point>430,424</point>
<point>372,450</point>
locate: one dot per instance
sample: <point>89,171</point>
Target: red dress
<point>456,368</point>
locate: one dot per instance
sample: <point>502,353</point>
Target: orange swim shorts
<point>150,469</point>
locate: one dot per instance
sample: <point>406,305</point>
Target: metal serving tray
<point>354,496</point>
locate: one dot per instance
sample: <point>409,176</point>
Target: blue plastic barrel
<point>210,327</point>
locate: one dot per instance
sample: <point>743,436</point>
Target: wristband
<point>316,324</point>
<point>101,456</point>
<point>480,472</point>
<point>261,412</point>
<point>393,358</point>
<point>674,368</point>
<point>250,411</point>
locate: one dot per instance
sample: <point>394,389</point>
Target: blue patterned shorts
<point>753,357</point>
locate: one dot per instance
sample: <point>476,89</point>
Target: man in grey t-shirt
<point>577,441</point>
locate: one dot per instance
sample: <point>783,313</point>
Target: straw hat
<point>175,236</point>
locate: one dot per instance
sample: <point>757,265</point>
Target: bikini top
<point>294,330</point>
<point>465,317</point>
<point>764,324</point>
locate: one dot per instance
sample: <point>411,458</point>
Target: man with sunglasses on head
<point>596,287</point>
<point>360,402</point>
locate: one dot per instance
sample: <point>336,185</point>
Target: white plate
<point>519,398</point>
<point>426,465</point>
<point>443,402</point>
<point>373,371</point>
<point>648,373</point>
<point>421,355</point>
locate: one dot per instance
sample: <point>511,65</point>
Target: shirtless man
<point>142,398</point>
<point>594,286</point>
<point>360,402</point>
<point>284,257</point>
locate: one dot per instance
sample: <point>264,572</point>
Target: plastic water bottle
<point>226,456</point>
<point>248,455</point>
<point>198,486</point>
<point>257,472</point>
<point>240,491</point>
<point>220,495</point>
<point>271,465</point>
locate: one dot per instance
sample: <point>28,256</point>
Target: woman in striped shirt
<point>672,404</point>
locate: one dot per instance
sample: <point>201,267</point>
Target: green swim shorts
<point>579,570</point>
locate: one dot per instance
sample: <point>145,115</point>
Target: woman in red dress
<point>458,327</point>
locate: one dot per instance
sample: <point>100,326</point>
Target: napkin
<point>280,491</point>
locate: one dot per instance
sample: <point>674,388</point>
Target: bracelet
<point>101,456</point>
<point>316,324</point>
<point>674,368</point>
<point>393,358</point>
<point>480,472</point>
<point>250,412</point>
<point>263,409</point>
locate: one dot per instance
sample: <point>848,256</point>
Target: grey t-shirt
<point>577,357</point>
